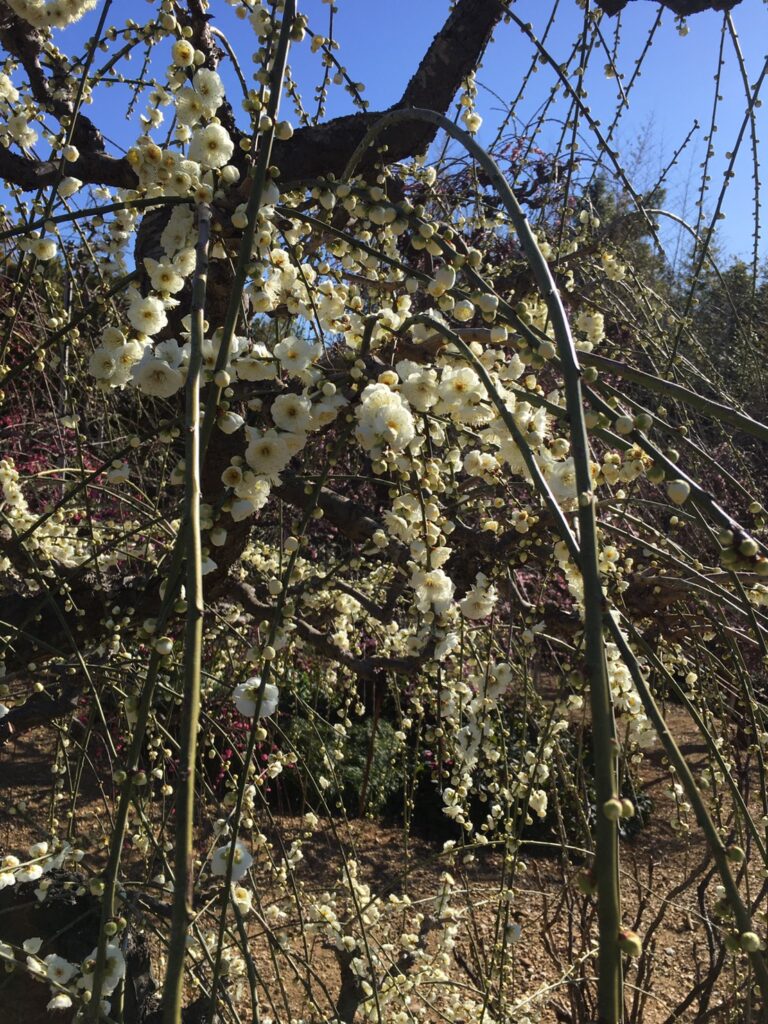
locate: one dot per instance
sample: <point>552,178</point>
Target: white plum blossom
<point>268,454</point>
<point>211,146</point>
<point>242,860</point>
<point>29,873</point>
<point>102,363</point>
<point>433,589</point>
<point>43,248</point>
<point>61,1001</point>
<point>178,234</point>
<point>21,131</point>
<point>242,898</point>
<point>68,186</point>
<point>295,354</point>
<point>8,91</point>
<point>58,969</point>
<point>537,802</point>
<point>156,377</point>
<point>210,89</point>
<point>229,422</point>
<point>245,695</point>
<point>51,13</point>
<point>114,970</point>
<point>189,107</point>
<point>480,600</point>
<point>383,419</point>
<point>183,53</point>
<point>292,412</point>
<point>419,385</point>
<point>147,314</point>
<point>256,364</point>
<point>164,276</point>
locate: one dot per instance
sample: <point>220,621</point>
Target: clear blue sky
<point>675,88</point>
<point>383,40</point>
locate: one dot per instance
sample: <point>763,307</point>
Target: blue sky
<point>676,86</point>
<point>383,40</point>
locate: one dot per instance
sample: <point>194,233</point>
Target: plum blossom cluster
<point>386,495</point>
<point>55,540</point>
<point>51,13</point>
<point>70,983</point>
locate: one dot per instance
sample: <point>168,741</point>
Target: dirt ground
<point>667,889</point>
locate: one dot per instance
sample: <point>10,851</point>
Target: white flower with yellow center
<point>164,276</point>
<point>245,695</point>
<point>113,974</point>
<point>268,454</point>
<point>156,377</point>
<point>210,89</point>
<point>58,969</point>
<point>242,898</point>
<point>295,354</point>
<point>292,413</point>
<point>419,385</point>
<point>211,146</point>
<point>433,588</point>
<point>479,602</point>
<point>68,186</point>
<point>147,314</point>
<point>43,248</point>
<point>102,363</point>
<point>189,107</point>
<point>183,53</point>
<point>241,862</point>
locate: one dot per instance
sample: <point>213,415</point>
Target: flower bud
<point>612,809</point>
<point>164,645</point>
<point>749,942</point>
<point>627,808</point>
<point>678,491</point>
<point>630,943</point>
<point>748,547</point>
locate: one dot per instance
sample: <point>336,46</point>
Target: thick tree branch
<point>683,8</point>
<point>25,43</point>
<point>454,53</point>
<point>366,668</point>
<point>91,168</point>
<point>312,152</point>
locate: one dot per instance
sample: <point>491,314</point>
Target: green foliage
<point>366,779</point>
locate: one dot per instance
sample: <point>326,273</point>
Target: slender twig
<point>183,910</point>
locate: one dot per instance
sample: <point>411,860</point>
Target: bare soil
<point>667,884</point>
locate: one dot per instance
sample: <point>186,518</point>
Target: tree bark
<point>682,8</point>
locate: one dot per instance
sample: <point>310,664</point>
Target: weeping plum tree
<point>353,456</point>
